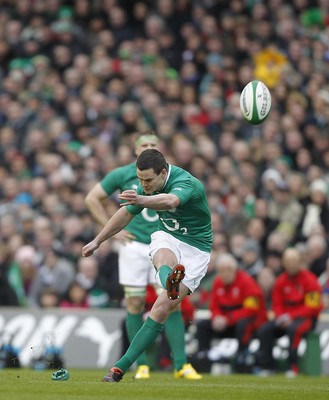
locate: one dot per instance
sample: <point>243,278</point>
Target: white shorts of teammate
<point>135,265</point>
<point>194,260</point>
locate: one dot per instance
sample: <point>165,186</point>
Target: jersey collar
<point>168,176</point>
<point>166,181</point>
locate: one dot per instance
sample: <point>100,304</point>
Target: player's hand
<point>129,196</point>
<point>124,237</point>
<point>219,323</point>
<point>283,321</point>
<point>88,249</point>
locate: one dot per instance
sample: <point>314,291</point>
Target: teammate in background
<point>135,267</point>
<point>184,237</point>
<point>296,303</point>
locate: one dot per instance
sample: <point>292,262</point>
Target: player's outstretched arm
<point>116,223</point>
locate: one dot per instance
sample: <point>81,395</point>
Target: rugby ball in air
<point>255,102</point>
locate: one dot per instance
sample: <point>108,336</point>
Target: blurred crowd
<point>79,78</point>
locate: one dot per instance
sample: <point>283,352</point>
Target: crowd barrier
<point>86,338</point>
<point>92,338</point>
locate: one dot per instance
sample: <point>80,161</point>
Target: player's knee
<point>164,256</point>
<point>135,300</point>
<point>135,305</point>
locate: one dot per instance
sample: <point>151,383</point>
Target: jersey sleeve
<point>183,190</point>
<point>134,209</point>
<point>112,181</point>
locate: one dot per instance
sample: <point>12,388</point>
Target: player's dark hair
<point>151,159</point>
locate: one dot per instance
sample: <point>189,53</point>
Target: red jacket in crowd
<point>299,295</point>
<point>241,299</point>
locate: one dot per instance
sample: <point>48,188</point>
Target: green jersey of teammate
<point>190,222</point>
<point>124,178</point>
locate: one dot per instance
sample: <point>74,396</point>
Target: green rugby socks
<point>133,324</point>
<point>141,342</point>
<point>163,273</point>
<point>175,333</point>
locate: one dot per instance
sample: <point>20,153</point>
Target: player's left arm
<point>162,201</point>
<point>115,224</point>
<point>178,195</point>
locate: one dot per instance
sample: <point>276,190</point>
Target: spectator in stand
<point>55,272</point>
<point>284,210</point>
<point>270,179</point>
<point>49,298</point>
<point>237,243</point>
<point>75,297</point>
<point>316,211</point>
<point>23,271</point>
<point>266,279</point>
<point>296,304</point>
<point>273,260</point>
<point>107,259</point>
<point>237,309</point>
<point>8,296</point>
<point>256,230</point>
<point>317,253</point>
<point>88,278</point>
<point>235,221</point>
<point>251,260</point>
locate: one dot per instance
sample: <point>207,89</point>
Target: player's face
<point>150,181</point>
<point>145,144</point>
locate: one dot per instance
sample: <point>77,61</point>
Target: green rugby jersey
<point>124,178</point>
<point>190,222</point>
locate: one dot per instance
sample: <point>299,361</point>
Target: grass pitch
<point>27,384</point>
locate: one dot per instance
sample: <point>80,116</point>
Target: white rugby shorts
<point>194,260</point>
<point>135,265</point>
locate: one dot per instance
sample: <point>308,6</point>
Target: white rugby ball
<point>255,102</point>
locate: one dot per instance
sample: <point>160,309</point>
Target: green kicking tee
<point>190,222</point>
<point>125,178</point>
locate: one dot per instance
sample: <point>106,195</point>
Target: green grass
<point>26,384</point>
